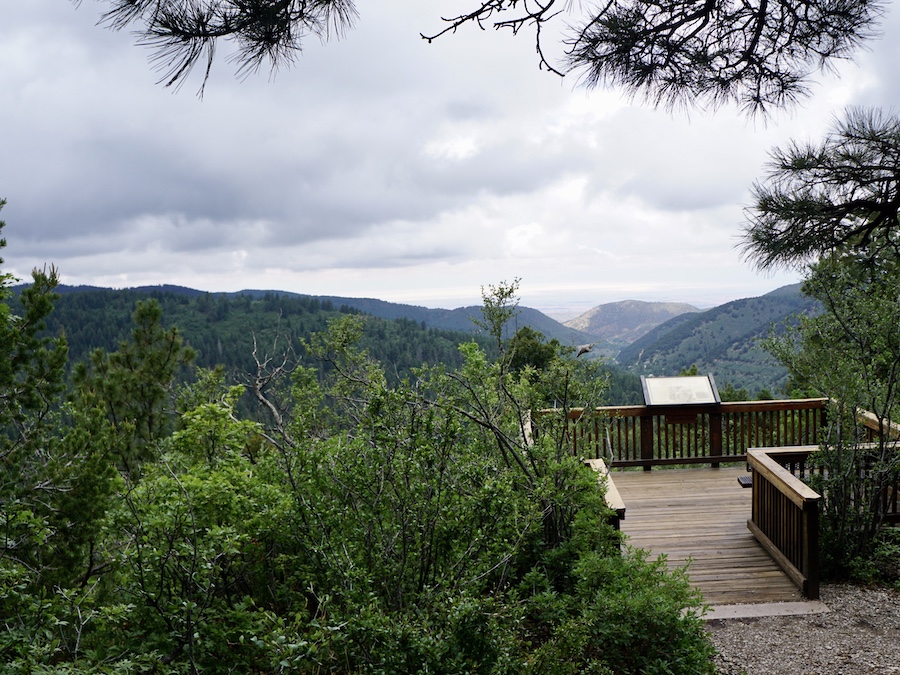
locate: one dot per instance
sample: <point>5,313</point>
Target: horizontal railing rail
<point>785,514</point>
<point>650,436</point>
<point>875,429</point>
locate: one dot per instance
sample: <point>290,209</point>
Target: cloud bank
<point>380,166</point>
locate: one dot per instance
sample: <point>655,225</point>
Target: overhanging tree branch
<point>756,53</point>
<point>841,194</point>
<point>183,33</point>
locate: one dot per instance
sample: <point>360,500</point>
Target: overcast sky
<point>380,166</point>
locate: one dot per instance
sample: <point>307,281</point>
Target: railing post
<point>715,436</point>
<point>823,424</point>
<point>811,549</point>
<point>647,440</point>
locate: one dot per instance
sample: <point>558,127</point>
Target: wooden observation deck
<point>700,515</point>
<point>744,546</point>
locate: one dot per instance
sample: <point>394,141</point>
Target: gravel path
<point>860,635</point>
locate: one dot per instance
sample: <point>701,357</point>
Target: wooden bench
<point>613,498</point>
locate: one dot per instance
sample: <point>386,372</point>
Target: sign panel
<point>689,390</point>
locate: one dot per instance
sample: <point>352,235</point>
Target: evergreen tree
<point>31,380</point>
<point>31,365</point>
<point>134,383</point>
<point>842,193</point>
<point>56,481</point>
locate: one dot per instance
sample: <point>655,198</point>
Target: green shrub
<point>426,526</point>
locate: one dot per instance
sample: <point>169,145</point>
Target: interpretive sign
<point>687,390</point>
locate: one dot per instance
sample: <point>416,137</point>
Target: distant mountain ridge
<point>225,329</point>
<point>459,319</point>
<point>625,321</point>
<point>723,341</point>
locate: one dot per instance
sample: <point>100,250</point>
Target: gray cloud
<point>378,165</point>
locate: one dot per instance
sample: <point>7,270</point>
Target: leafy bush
<point>427,526</point>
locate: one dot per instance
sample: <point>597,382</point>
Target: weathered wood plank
<point>701,515</point>
<point>613,499</point>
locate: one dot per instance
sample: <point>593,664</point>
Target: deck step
<point>752,611</point>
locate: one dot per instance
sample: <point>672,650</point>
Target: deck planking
<point>700,515</point>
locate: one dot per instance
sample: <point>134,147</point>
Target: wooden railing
<point>650,436</point>
<point>869,421</point>
<point>785,513</point>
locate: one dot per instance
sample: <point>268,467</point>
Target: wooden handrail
<point>648,436</point>
<point>785,515</point>
<point>613,498</point>
<point>870,421</point>
<point>728,406</point>
<point>766,462</point>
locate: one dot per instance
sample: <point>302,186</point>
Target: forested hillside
<point>723,341</point>
<point>222,328</point>
<point>459,319</point>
